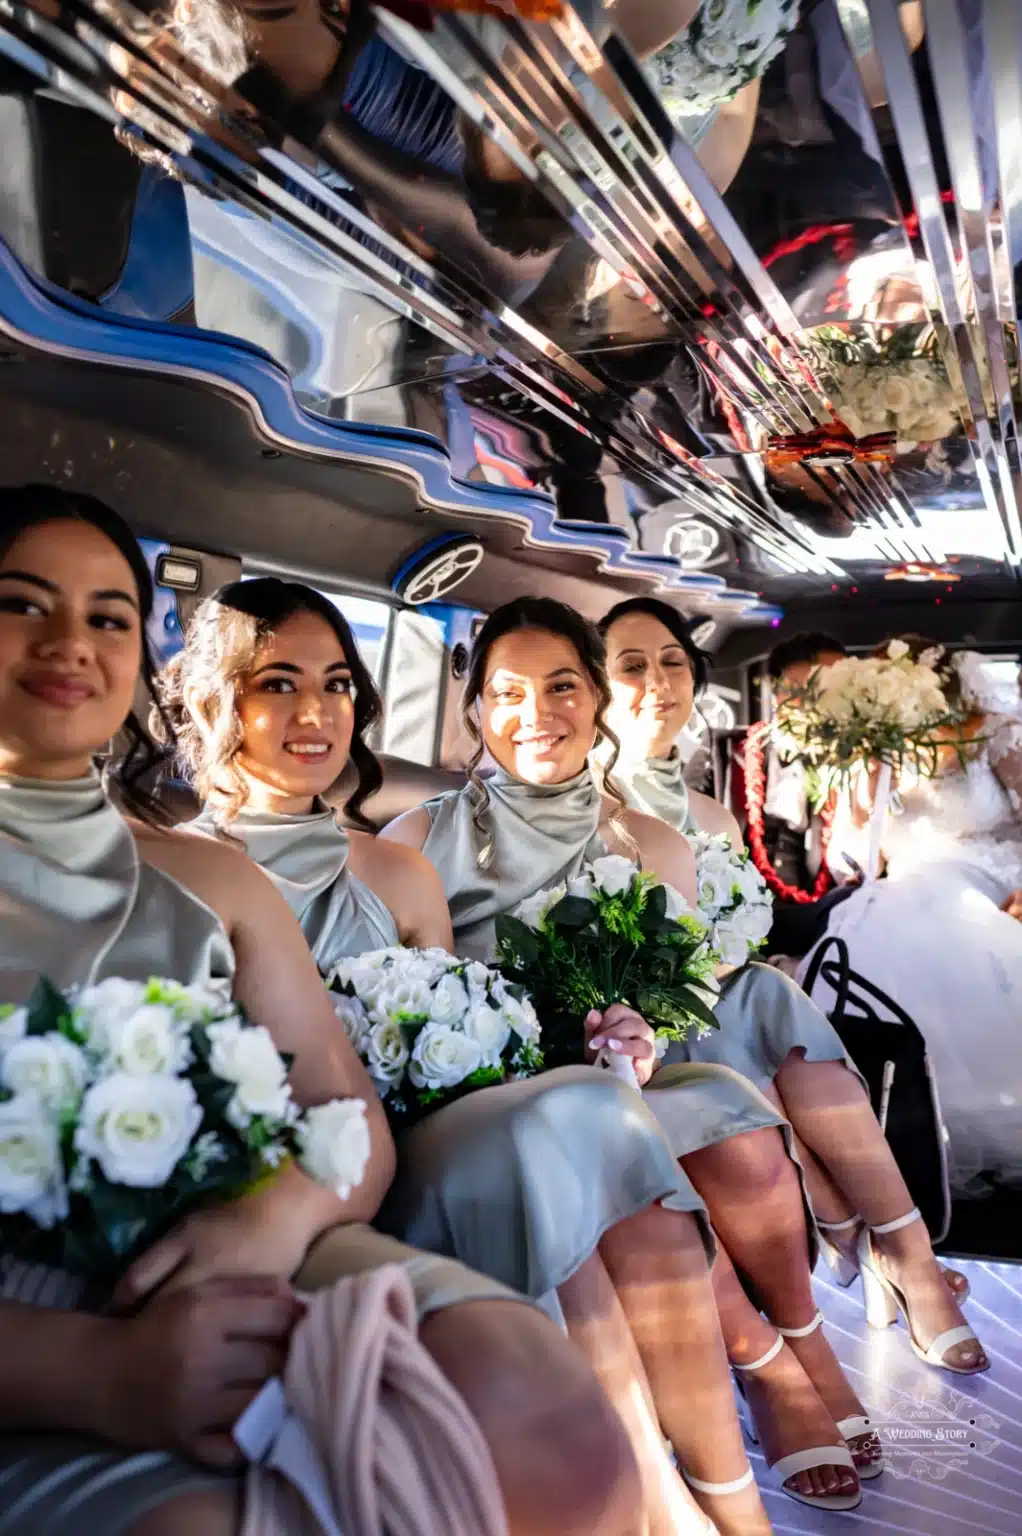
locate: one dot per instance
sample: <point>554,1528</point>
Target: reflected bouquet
<point>614,935</point>
<point>733,898</point>
<point>431,1028</point>
<point>886,710</point>
<point>125,1105</point>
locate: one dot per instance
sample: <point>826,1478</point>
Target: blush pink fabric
<point>404,1456</point>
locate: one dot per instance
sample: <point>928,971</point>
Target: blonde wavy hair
<point>547,615</point>
<point>199,688</point>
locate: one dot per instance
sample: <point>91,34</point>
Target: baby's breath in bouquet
<point>614,935</point>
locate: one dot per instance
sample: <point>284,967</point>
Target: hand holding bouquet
<point>733,898</point>
<point>431,1028</point>
<point>125,1106</point>
<point>614,935</point>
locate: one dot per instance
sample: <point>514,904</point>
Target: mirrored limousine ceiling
<point>714,299</point>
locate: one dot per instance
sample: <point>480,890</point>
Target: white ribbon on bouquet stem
<point>878,820</point>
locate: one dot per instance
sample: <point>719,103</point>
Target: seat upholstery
<point>405,785</point>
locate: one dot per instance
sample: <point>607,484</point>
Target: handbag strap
<point>846,983</point>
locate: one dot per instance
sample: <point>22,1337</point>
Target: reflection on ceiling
<point>736,282</point>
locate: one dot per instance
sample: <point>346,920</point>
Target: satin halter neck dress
<point>762,1014</point>
<point>78,904</point>
<point>539,837</point>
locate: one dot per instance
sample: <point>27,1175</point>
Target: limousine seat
<point>405,785</point>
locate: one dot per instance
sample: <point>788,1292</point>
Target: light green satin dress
<point>519,1182</point>
<point>496,844</point>
<point>78,905</point>
<point>763,1015</point>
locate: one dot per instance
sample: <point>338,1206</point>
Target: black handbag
<point>888,1048</point>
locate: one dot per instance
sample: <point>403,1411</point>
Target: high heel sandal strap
<point>808,1460</point>
<point>963,1334</point>
<point>801,1333</point>
<point>896,1226</point>
<point>840,1226</point>
<point>855,1425</point>
<point>737,1484</point>
<point>771,1354</point>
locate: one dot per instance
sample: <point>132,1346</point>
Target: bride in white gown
<point>937,935</point>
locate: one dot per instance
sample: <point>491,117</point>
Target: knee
<point>749,1166</point>
<point>562,1456</point>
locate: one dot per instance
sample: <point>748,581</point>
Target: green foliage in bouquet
<point>615,936</point>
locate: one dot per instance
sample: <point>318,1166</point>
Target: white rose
<point>48,1066</point>
<point>97,1010</point>
<point>406,1002</point>
<point>335,1144</point>
<point>582,887</point>
<point>150,1039</point>
<point>352,1016</point>
<point>534,909</point>
<point>730,944</point>
<point>13,1024</point>
<point>714,890</point>
<point>386,1052</point>
<point>443,1058</point>
<point>719,49</point>
<point>753,922</point>
<point>521,1017</point>
<point>751,882</point>
<point>31,1171</point>
<point>248,1058</point>
<point>138,1128</point>
<point>479,981</point>
<point>449,1003</point>
<point>897,650</point>
<point>613,874</point>
<point>491,1030</point>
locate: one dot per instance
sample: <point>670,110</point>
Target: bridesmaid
<point>769,1030</point>
<point>538,682</point>
<point>270,700</point>
<point>120,1423</point>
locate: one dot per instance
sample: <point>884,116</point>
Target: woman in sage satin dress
<point>769,1029</point>
<point>119,1425</point>
<point>269,700</point>
<point>538,682</point>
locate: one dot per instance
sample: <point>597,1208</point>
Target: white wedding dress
<point>933,937</point>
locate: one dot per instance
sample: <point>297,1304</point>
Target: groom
<point>793,832</point>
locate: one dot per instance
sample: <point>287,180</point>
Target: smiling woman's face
<point>297,713</point>
<point>651,685</point>
<point>538,707</point>
<point>70,648</point>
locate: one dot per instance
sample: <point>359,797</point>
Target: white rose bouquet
<point>726,44</point>
<point>125,1105</point>
<point>431,1028</point>
<point>614,935</point>
<point>885,711</point>
<point>733,898</point>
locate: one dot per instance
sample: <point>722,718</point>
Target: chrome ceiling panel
<point>734,282</point>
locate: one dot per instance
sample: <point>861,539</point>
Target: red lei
<point>755,798</point>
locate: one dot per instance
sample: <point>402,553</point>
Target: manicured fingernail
<point>597,1041</point>
<point>615,1045</point>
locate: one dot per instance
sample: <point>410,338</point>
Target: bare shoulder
<point>411,829</point>
<point>710,816</point>
<point>220,875</point>
<point>661,849</point>
<point>385,859</point>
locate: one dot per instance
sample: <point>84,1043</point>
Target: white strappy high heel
<point>807,1460</point>
<point>884,1301</point>
<point>845,1266</point>
<point>853,1425</point>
